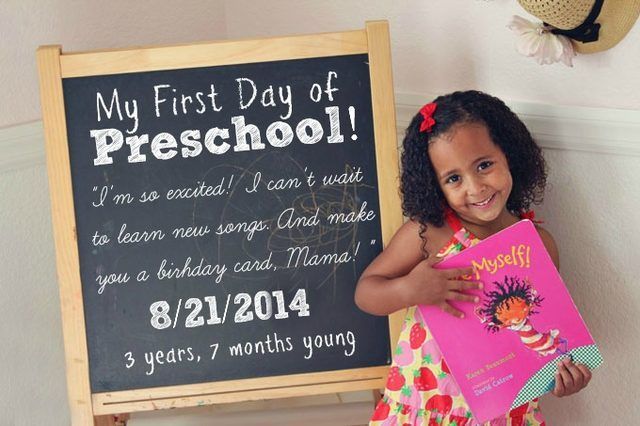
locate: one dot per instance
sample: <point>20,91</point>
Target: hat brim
<point>616,19</point>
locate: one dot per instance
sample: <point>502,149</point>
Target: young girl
<point>470,169</point>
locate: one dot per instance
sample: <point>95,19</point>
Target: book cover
<point>505,351</point>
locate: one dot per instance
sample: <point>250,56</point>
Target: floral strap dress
<point>420,389</point>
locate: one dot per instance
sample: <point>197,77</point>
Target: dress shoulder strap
<point>531,216</point>
<point>452,220</point>
<point>461,238</point>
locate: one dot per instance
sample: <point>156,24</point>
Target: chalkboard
<point>213,207</point>
<point>224,215</point>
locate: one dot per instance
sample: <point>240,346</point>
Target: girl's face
<point>473,173</point>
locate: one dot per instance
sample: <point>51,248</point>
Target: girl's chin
<point>483,217</point>
<point>484,214</point>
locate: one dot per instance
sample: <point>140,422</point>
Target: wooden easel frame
<point>54,66</point>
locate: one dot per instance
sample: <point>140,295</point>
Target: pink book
<point>505,351</point>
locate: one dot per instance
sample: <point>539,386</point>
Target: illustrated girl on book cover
<point>509,306</point>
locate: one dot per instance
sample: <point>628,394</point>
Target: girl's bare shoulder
<point>549,244</point>
<point>413,236</point>
<point>406,249</point>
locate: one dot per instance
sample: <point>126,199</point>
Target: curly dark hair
<point>422,198</point>
<point>512,288</point>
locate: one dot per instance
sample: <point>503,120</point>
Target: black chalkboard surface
<point>224,215</point>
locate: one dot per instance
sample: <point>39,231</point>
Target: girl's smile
<point>485,203</point>
<point>473,174</point>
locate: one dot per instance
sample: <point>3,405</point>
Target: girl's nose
<point>475,186</point>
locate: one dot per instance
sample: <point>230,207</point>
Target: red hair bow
<point>427,117</point>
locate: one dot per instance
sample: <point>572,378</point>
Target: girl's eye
<point>452,179</point>
<point>485,165</point>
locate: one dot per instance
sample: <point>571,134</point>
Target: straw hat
<point>572,18</point>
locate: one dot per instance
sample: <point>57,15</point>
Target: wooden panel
<point>384,117</point>
<point>64,235</point>
<point>212,54</point>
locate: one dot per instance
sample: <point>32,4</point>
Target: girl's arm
<point>400,276</point>
<point>380,289</point>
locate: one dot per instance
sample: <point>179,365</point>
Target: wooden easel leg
<point>111,420</point>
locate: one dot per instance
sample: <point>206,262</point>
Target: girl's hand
<point>570,378</point>
<point>429,286</point>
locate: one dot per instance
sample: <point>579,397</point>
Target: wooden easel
<point>97,409</point>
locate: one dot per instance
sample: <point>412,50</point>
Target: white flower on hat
<point>537,41</point>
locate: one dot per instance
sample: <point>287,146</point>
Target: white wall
<point>591,208</point>
<point>87,25</point>
<point>32,357</point>
<point>438,46</point>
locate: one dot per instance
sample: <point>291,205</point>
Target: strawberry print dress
<point>420,390</point>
